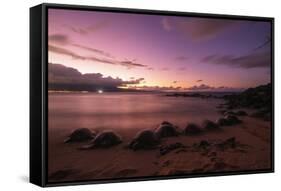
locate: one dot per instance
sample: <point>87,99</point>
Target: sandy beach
<point>244,146</point>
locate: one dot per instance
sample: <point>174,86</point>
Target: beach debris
<point>145,139</point>
<point>168,148</point>
<point>103,140</point>
<point>192,129</point>
<point>80,135</point>
<point>166,129</point>
<point>210,125</point>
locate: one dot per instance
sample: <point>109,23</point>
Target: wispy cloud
<point>199,80</point>
<point>150,68</point>
<point>89,29</point>
<point>63,39</point>
<point>198,28</point>
<point>66,52</point>
<point>59,38</point>
<point>155,88</point>
<point>181,58</point>
<point>94,50</point>
<point>164,69</point>
<point>252,60</point>
<point>182,68</point>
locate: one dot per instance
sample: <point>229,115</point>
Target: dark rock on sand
<point>222,122</point>
<point>229,113</point>
<point>262,114</point>
<point>241,113</point>
<point>203,145</point>
<point>103,140</point>
<point>259,98</point>
<point>166,149</point>
<point>228,120</point>
<point>228,143</point>
<point>79,135</point>
<point>238,113</point>
<point>192,129</point>
<point>166,129</point>
<point>210,125</point>
<point>145,139</point>
<point>232,119</point>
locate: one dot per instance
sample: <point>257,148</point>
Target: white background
<point>14,94</point>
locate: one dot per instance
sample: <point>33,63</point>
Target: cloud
<point>199,80</point>
<point>204,87</point>
<point>58,38</point>
<point>264,44</point>
<point>66,52</point>
<point>165,69</point>
<point>175,82</point>
<point>61,77</point>
<point>89,29</point>
<point>182,68</point>
<point>198,28</point>
<point>252,60</point>
<point>63,39</point>
<point>94,50</point>
<point>181,58</point>
<point>166,24</point>
<point>155,88</point>
<point>200,87</point>
<point>131,64</point>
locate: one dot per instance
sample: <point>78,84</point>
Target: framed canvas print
<point>126,95</point>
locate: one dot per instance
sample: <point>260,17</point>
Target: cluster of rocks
<point>96,140</point>
<point>205,145</point>
<point>258,98</point>
<point>196,95</point>
<point>147,139</point>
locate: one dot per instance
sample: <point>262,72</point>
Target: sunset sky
<point>159,52</point>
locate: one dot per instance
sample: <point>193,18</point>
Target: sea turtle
<point>210,125</point>
<point>166,129</point>
<point>192,129</point>
<point>103,140</point>
<point>80,135</point>
<point>145,139</point>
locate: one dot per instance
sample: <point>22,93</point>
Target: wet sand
<point>251,152</point>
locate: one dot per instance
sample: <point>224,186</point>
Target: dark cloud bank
<point>253,60</point>
<point>67,78</point>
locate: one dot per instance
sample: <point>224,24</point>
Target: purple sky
<point>166,52</point>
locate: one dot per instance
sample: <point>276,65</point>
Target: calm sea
<point>126,110</point>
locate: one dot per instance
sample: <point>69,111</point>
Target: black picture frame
<point>39,91</point>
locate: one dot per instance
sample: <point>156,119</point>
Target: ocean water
<point>126,110</point>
